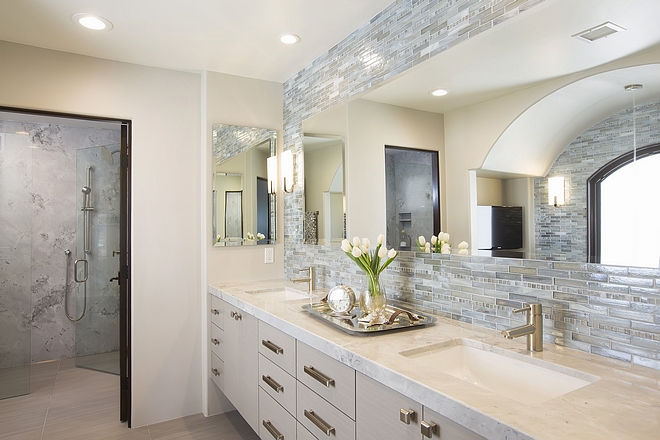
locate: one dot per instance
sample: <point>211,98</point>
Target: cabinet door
<point>437,426</point>
<point>383,413</point>
<point>241,363</point>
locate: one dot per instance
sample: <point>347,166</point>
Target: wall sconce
<point>555,191</point>
<point>287,171</point>
<point>271,168</point>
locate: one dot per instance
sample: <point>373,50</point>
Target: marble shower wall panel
<point>53,197</point>
<point>15,247</point>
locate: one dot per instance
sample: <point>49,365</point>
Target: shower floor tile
<point>69,403</point>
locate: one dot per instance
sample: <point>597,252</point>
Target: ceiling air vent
<point>601,31</point>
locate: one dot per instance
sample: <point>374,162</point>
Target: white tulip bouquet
<point>439,244</point>
<point>371,261</point>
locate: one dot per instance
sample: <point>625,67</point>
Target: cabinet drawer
<point>445,428</point>
<point>303,434</point>
<point>278,384</point>
<point>216,311</point>
<point>217,339</point>
<point>217,372</point>
<point>274,421</point>
<point>329,378</point>
<point>382,412</point>
<point>322,419</point>
<point>278,347</point>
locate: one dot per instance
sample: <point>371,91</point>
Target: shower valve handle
<point>115,278</point>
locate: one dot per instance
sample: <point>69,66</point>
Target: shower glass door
<point>97,258</point>
<point>15,259</point>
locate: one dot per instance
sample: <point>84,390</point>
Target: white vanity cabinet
<point>326,395</point>
<point>384,413</point>
<point>277,385</point>
<point>239,359</point>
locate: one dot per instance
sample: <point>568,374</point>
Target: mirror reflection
<point>243,209</point>
<point>325,197</point>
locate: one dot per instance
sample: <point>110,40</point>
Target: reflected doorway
<point>411,195</point>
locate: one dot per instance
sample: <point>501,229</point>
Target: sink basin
<point>279,294</point>
<point>519,377</point>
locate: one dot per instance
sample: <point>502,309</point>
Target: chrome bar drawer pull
<point>406,415</point>
<point>215,372</point>
<point>319,422</point>
<point>429,428</point>
<point>215,341</point>
<point>272,347</point>
<point>273,431</point>
<point>325,380</point>
<point>274,385</point>
<point>215,312</point>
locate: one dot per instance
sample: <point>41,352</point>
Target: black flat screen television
<point>499,227</point>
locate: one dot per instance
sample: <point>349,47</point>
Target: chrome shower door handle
<point>85,270</point>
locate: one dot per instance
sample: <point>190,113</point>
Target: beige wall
<point>164,106</point>
<point>172,113</point>
<point>371,126</point>
<point>320,168</point>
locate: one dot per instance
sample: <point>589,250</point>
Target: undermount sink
<point>278,294</point>
<point>519,377</point>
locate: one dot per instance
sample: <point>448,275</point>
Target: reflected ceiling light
<point>289,38</point>
<point>93,22</point>
<point>439,92</point>
<point>22,132</point>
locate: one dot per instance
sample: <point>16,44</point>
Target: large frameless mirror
<point>325,195</point>
<point>243,207</point>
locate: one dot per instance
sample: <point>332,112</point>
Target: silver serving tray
<point>349,322</point>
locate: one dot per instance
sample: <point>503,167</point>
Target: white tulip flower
<point>364,249</point>
<point>446,249</point>
<point>356,252</point>
<point>381,239</point>
<point>434,240</point>
<point>382,252</point>
<point>443,236</point>
<point>356,241</point>
<point>427,247</point>
<point>463,252</point>
<point>392,253</point>
<point>422,240</point>
<point>366,243</point>
<point>345,245</point>
<point>463,245</point>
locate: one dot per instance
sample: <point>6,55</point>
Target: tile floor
<point>69,403</point>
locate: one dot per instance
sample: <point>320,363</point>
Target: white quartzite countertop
<point>623,404</point>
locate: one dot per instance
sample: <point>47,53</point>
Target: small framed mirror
<point>243,208</point>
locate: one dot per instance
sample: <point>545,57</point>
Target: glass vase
<point>372,296</point>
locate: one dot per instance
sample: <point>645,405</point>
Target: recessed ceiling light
<point>439,92</point>
<point>289,38</point>
<point>92,21</point>
<point>597,32</point>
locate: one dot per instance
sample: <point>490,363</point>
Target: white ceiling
<point>234,37</point>
<point>529,49</point>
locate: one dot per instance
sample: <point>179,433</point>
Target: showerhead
<point>86,189</point>
<point>107,155</point>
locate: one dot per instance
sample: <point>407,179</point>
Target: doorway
<point>65,183</point>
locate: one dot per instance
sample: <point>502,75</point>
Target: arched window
<point>624,210</point>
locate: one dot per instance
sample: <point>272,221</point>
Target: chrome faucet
<point>533,329</point>
<point>309,279</point>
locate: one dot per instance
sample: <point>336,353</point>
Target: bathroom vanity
<point>292,376</point>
